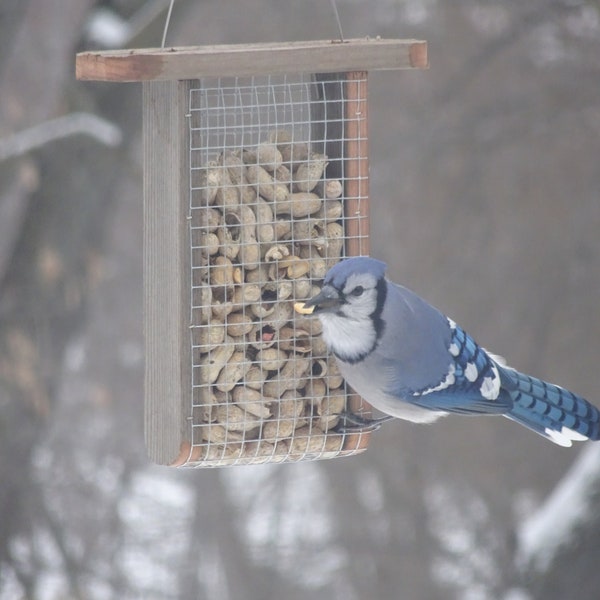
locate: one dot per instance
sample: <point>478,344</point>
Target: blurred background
<point>485,189</point>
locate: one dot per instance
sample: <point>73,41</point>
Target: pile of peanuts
<point>265,228</point>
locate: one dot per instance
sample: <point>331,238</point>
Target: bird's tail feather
<point>550,410</point>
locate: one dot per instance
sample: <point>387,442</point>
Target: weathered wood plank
<point>356,204</point>
<point>317,56</point>
<point>357,165</point>
<point>166,269</point>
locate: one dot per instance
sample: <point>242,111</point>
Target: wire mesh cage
<point>267,221</point>
<point>255,184</point>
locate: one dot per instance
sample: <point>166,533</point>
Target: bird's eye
<point>358,290</point>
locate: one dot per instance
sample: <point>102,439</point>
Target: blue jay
<point>410,361</point>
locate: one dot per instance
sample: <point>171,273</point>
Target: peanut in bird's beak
<point>327,299</point>
<point>302,309</point>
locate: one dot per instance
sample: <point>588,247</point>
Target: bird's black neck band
<point>378,325</point>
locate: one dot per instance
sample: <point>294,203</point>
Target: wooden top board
<point>192,62</point>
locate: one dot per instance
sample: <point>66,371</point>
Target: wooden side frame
<point>357,203</point>
<point>357,164</point>
<point>167,282</point>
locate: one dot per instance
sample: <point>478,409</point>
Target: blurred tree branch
<point>52,130</point>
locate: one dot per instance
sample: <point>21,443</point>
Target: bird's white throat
<point>350,339</point>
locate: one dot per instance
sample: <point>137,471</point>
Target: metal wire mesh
<point>267,220</point>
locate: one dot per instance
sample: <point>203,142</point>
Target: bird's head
<point>350,305</point>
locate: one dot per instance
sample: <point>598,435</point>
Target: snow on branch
<point>569,506</point>
<point>108,29</point>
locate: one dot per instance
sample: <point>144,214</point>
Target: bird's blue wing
<point>472,384</point>
<point>476,384</point>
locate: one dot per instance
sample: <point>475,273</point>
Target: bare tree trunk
<point>54,233</point>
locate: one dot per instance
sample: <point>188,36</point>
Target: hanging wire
<point>337,18</point>
<point>167,21</point>
<point>172,2</point>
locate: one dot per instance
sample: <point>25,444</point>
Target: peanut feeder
<point>255,184</point>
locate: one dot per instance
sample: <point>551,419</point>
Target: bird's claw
<point>353,423</point>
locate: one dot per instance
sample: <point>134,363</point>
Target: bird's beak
<point>326,299</point>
